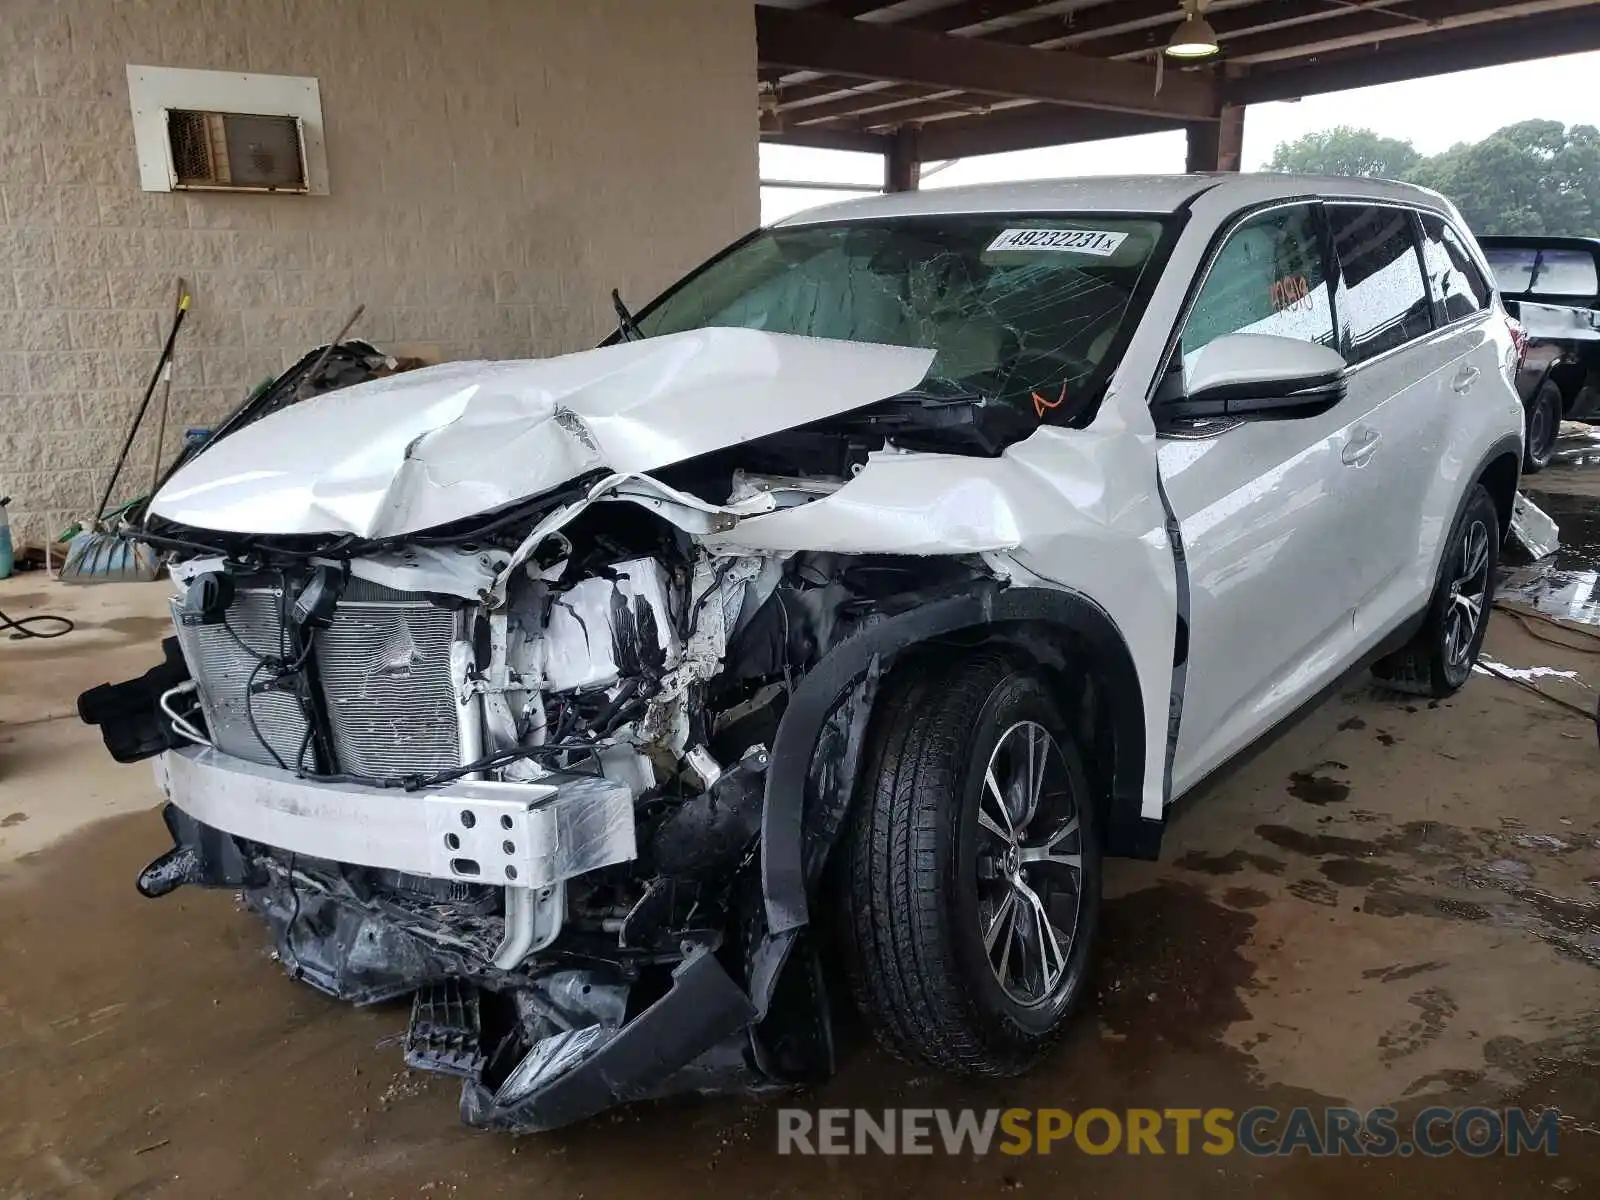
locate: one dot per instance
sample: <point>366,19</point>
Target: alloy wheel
<point>1030,864</point>
<point>1467,592</point>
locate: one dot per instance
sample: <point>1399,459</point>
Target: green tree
<point>1531,177</point>
<point>1537,177</point>
<point>1345,150</point>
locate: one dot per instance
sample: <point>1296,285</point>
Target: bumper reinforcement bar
<point>519,835</point>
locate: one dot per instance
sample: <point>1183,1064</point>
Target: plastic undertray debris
<point>1532,526</point>
<point>446,1032</point>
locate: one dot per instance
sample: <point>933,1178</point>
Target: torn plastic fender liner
<point>200,854</point>
<point>129,713</point>
<point>783,877</point>
<point>703,1007</point>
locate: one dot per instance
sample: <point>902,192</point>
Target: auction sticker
<point>1075,241</point>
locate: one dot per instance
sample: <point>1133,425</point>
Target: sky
<point>1432,114</point>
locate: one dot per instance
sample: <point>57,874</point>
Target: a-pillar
<point>902,168</point>
<point>1217,145</point>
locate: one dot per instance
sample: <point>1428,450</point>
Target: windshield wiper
<point>625,322</point>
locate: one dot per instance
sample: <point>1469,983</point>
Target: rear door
<point>1467,355</point>
<point>1399,380</point>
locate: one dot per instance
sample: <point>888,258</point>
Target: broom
<point>101,554</point>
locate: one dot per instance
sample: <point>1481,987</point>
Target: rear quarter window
<point>1459,289</point>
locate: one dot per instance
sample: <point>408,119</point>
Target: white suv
<point>888,571</point>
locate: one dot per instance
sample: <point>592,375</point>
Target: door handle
<point>1465,378</point>
<point>1358,451</point>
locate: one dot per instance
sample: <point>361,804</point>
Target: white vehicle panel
<point>1270,601</point>
<point>1076,509</point>
<point>427,447</point>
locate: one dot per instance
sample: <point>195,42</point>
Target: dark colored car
<point>1552,286</point>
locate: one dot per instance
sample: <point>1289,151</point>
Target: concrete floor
<point>1394,903</point>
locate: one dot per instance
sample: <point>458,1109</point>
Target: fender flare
<point>1509,446</point>
<point>783,810</point>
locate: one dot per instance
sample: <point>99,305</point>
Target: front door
<point>1260,503</point>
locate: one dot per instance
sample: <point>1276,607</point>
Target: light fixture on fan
<point>1194,37</point>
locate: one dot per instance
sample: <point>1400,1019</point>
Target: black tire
<point>1543,427</point>
<point>1438,660</point>
<point>922,871</point>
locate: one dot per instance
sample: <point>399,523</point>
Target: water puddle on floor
<point>1567,583</point>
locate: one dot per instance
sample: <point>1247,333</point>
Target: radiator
<point>383,666</point>
<point>223,659</point>
<point>385,671</point>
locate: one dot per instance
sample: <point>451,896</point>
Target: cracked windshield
<point>1030,312</point>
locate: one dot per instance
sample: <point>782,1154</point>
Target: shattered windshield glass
<point>1030,311</point>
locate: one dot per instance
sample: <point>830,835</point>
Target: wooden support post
<point>1217,145</point>
<point>902,168</point>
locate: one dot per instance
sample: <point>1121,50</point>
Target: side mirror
<point>1253,374</point>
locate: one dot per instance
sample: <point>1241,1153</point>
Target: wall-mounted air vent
<point>235,151</point>
<point>225,131</point>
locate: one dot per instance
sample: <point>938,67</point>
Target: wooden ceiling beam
<point>800,41</point>
<point>823,138</point>
<point>1290,18</point>
<point>800,97</point>
<point>934,112</point>
<point>1364,28</point>
<point>1570,32</point>
<point>1043,125</point>
<point>876,109</point>
<point>1079,29</point>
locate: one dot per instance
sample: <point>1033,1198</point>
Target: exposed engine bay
<point>540,691</point>
<point>585,698</point>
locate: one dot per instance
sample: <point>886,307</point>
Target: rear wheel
<point>1544,426</point>
<point>972,888</point>
<point>1439,658</point>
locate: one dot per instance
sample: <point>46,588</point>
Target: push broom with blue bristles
<point>105,553</point>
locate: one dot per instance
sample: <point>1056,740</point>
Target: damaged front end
<point>527,767</point>
<point>538,690</point>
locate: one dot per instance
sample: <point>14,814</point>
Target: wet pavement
<point>1397,903</point>
<point>1568,490</point>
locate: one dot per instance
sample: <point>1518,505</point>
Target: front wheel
<point>1544,426</point>
<point>972,889</point>
<point>1437,661</point>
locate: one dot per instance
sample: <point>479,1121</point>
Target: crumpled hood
<point>427,447</point>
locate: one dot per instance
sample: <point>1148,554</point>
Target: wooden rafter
<point>830,46</point>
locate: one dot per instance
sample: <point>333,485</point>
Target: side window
<point>1458,287</point>
<point>1383,300</point>
<point>1267,278</point>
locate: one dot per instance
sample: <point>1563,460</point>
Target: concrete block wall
<point>496,167</point>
